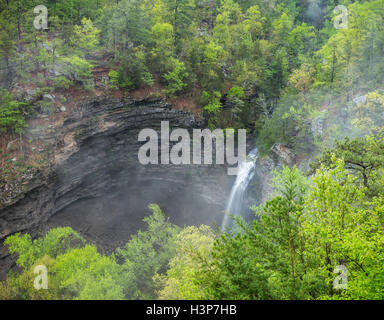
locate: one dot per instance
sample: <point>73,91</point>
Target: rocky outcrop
<point>283,154</point>
<point>278,156</point>
<point>96,185</point>
<point>318,125</point>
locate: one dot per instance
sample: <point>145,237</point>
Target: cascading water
<point>244,177</point>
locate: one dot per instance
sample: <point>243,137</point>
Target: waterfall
<point>244,177</point>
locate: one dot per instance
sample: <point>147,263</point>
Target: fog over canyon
<point>97,186</point>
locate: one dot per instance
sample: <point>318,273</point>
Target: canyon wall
<point>96,185</point>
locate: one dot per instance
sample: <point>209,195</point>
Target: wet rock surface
<point>278,156</point>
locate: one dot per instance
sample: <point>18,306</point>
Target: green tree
<point>212,107</point>
<point>181,16</point>
<point>368,116</point>
<point>162,46</point>
<point>253,22</point>
<point>262,260</point>
<point>7,42</point>
<point>79,70</point>
<point>340,229</point>
<point>193,245</point>
<point>302,40</point>
<point>301,79</point>
<point>85,37</point>
<point>362,156</point>
<point>55,242</point>
<point>75,270</point>
<point>175,78</point>
<point>148,253</point>
<point>13,113</point>
<point>282,28</point>
<point>84,274</point>
<point>21,286</point>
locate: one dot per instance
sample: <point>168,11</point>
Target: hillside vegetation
<point>280,69</point>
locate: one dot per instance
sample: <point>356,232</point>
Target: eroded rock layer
<point>97,186</point>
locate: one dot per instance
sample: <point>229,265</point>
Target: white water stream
<point>235,202</point>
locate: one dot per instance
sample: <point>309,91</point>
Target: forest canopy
<point>287,57</point>
<point>280,69</point>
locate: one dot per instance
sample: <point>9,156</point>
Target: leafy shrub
<point>113,79</point>
<point>12,113</point>
<point>132,72</point>
<point>62,82</point>
<point>212,107</point>
<point>237,92</point>
<point>79,70</point>
<point>175,78</point>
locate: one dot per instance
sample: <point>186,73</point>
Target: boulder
<point>31,95</point>
<point>49,98</point>
<point>317,125</point>
<point>360,100</point>
<point>283,153</point>
<point>11,145</point>
<point>61,69</point>
<point>47,47</point>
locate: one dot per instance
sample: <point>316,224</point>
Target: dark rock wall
<point>97,186</point>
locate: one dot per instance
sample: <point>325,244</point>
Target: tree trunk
<point>175,22</point>
<point>21,142</point>
<point>333,65</point>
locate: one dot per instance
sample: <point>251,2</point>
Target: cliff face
<point>278,156</point>
<point>97,186</point>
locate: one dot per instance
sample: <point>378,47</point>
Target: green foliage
<point>237,92</point>
<point>290,124</point>
<point>369,115</point>
<point>291,250</point>
<point>6,39</point>
<point>148,253</point>
<point>364,157</point>
<point>12,113</point>
<point>132,72</point>
<point>78,271</point>
<point>301,79</point>
<point>283,68</point>
<point>80,70</point>
<point>234,272</point>
<point>212,107</point>
<point>84,274</point>
<point>163,46</point>
<point>21,286</point>
<point>260,262</point>
<point>193,245</point>
<point>113,79</point>
<point>85,37</point>
<point>240,107</point>
<point>75,10</point>
<point>62,82</point>
<point>343,229</point>
<point>56,242</point>
<point>175,77</point>
<point>212,102</point>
